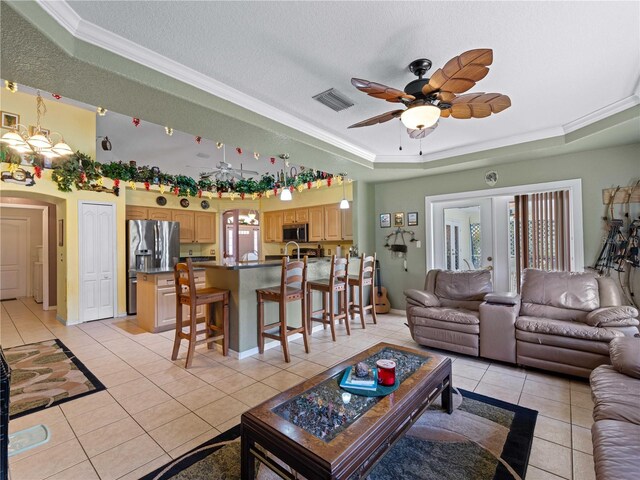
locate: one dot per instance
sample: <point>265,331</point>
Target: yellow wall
<point>76,124</point>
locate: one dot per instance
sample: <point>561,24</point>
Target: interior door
<point>97,261</point>
<point>463,235</point>
<point>14,238</point>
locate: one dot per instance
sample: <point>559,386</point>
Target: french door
<point>97,261</point>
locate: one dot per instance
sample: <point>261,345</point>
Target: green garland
<point>81,172</point>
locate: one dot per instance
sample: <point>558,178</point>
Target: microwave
<point>295,232</point>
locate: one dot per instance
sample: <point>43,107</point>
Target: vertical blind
<point>542,224</point>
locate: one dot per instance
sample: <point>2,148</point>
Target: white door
<point>14,239</point>
<point>97,261</point>
<point>462,235</point>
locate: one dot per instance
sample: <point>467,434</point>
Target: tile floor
<point>154,410</point>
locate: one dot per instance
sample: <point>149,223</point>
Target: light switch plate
<point>418,244</point>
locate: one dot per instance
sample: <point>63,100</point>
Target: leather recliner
<point>566,320</point>
<point>446,314</point>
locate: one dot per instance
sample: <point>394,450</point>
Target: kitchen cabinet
<point>137,213</point>
<point>347,223</point>
<point>273,222</point>
<point>302,215</point>
<point>332,223</point>
<point>186,220</point>
<point>288,217</point>
<point>299,215</point>
<point>157,301</point>
<point>316,224</point>
<point>205,227</point>
<point>163,214</point>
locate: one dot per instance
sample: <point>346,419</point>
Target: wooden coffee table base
<point>358,447</point>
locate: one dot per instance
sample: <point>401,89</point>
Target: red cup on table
<point>386,372</point>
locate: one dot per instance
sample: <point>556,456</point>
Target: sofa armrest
<point>625,355</point>
<point>498,331</point>
<point>422,298</point>
<point>499,298</point>
<point>621,316</point>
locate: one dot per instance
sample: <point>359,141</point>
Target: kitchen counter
<point>251,264</point>
<point>159,271</point>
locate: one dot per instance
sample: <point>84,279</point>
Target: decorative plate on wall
<point>161,201</point>
<point>204,204</point>
<point>184,203</point>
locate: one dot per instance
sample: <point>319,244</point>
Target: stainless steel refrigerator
<point>153,246</point>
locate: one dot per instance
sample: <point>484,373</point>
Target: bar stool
<point>365,278</point>
<point>186,294</point>
<point>293,283</point>
<point>335,284</point>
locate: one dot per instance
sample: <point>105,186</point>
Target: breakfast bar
<point>242,280</point>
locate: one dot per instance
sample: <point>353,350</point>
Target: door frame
<point>81,203</point>
<point>575,208</point>
<point>45,248</point>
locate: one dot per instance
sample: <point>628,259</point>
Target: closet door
<point>96,262</point>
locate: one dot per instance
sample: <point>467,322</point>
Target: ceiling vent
<point>333,99</point>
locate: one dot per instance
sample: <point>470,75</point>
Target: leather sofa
<point>446,313</point>
<point>562,321</point>
<point>616,396</point>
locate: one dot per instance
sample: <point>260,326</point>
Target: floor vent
<point>333,99</point>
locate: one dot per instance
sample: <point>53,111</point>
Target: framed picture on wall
<point>385,220</point>
<point>10,120</point>
<point>398,219</point>
<point>412,219</point>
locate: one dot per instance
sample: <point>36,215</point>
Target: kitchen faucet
<point>287,245</point>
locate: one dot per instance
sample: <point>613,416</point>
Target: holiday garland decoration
<point>83,173</point>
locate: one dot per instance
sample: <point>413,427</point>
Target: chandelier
<point>37,141</point>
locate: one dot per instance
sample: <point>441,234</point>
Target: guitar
<point>382,302</point>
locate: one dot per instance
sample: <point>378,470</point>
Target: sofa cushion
<point>547,311</point>
<point>616,396</point>
<point>473,285</point>
<point>423,298</point>
<point>572,290</point>
<point>615,450</point>
<point>625,355</point>
<point>455,315</point>
<point>566,329</point>
<point>606,315</point>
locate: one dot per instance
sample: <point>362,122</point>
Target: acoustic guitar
<point>382,302</point>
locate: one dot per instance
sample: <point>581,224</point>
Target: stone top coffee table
<point>323,433</point>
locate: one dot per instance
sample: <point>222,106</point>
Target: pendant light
<point>285,195</point>
<point>344,203</point>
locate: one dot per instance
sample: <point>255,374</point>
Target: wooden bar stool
<point>365,278</point>
<point>336,283</point>
<point>292,288</point>
<point>186,294</point>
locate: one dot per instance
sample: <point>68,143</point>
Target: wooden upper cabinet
<point>347,223</point>
<point>162,214</point>
<point>332,222</point>
<point>276,226</point>
<point>137,213</point>
<point>288,217</point>
<point>316,224</point>
<point>187,229</point>
<point>205,227</point>
<point>302,215</point>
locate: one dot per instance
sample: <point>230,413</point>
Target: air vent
<point>333,99</point>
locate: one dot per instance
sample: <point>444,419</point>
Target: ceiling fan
<point>225,172</point>
<point>428,99</point>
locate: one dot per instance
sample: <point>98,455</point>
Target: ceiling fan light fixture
<point>420,117</point>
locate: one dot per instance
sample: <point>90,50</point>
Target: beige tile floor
<point>154,410</point>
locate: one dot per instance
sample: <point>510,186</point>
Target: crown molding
<point>88,32</point>
<point>602,113</point>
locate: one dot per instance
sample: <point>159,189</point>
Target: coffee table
<point>323,434</point>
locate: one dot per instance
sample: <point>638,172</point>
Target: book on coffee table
<point>350,380</point>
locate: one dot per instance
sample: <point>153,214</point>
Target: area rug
<point>45,374</point>
<point>483,439</point>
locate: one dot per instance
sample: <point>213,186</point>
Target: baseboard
<point>398,311</point>
<point>267,345</point>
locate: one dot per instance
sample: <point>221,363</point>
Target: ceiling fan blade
<point>385,117</point>
<point>478,105</point>
<point>461,73</point>
<point>446,97</point>
<point>417,134</point>
<point>378,90</point>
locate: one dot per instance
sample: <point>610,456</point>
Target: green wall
<point>598,169</point>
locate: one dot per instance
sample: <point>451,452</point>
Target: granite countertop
<point>246,265</point>
<point>158,271</point>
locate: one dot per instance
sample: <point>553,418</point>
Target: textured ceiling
<point>558,61</point>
